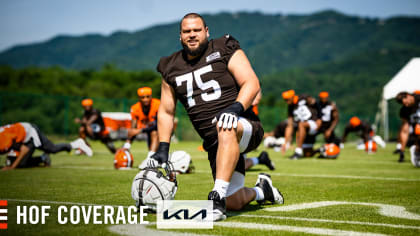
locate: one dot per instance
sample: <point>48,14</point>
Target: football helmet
<point>271,141</point>
<point>370,146</point>
<point>182,162</point>
<point>123,159</point>
<point>330,150</point>
<point>415,156</point>
<point>151,185</point>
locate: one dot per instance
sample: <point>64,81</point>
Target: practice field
<point>357,194</point>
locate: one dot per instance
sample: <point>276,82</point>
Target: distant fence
<point>55,114</point>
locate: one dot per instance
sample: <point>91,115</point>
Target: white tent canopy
<point>406,80</point>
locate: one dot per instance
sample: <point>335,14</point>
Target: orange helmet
<point>288,94</point>
<point>330,150</point>
<point>370,146</point>
<point>417,129</point>
<point>144,91</point>
<point>6,141</point>
<point>355,121</point>
<point>295,99</point>
<point>87,102</point>
<point>324,94</point>
<point>123,159</point>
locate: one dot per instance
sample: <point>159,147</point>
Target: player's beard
<point>198,51</point>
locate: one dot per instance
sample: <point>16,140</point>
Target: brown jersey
<point>203,85</point>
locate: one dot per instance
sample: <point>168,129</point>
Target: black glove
<point>228,118</point>
<point>162,154</point>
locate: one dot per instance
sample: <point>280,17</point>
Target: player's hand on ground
<point>127,146</point>
<point>328,133</point>
<point>7,168</point>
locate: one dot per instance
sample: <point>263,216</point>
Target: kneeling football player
<point>216,84</point>
<point>92,125</point>
<point>25,138</point>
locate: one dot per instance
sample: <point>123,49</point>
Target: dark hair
<point>192,15</point>
<point>401,96</point>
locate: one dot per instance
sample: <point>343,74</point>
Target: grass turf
<point>354,177</point>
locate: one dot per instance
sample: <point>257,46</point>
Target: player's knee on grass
<point>240,199</point>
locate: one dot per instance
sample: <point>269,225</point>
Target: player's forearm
<point>334,121</point>
<point>248,92</point>
<point>22,152</point>
<point>165,126</point>
<point>288,134</point>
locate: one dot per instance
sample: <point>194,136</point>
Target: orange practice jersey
<point>15,131</point>
<point>142,119</point>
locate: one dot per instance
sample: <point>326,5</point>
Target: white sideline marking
<point>136,229</point>
<point>330,176</point>
<point>332,221</point>
<point>384,209</point>
<point>272,174</point>
<point>60,203</point>
<point>309,230</point>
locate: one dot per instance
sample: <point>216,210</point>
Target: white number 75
<point>202,85</point>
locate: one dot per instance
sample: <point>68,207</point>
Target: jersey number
<point>302,113</point>
<point>196,76</point>
<point>326,113</point>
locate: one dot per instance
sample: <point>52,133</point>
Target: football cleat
<point>296,156</point>
<point>219,206</point>
<point>81,144</point>
<point>263,158</point>
<point>46,159</point>
<point>271,193</point>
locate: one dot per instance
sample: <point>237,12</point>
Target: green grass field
<point>356,182</point>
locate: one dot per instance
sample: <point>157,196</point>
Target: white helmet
<point>415,156</point>
<point>182,162</point>
<point>279,141</point>
<point>151,185</point>
<point>269,141</point>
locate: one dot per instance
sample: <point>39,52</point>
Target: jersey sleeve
<point>404,114</point>
<point>161,68</point>
<point>290,110</point>
<point>133,113</point>
<point>227,46</point>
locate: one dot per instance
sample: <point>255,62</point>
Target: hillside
<point>272,42</point>
<point>349,56</point>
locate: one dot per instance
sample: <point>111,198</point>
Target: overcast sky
<point>28,21</point>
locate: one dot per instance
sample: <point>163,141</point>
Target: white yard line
<point>384,209</point>
<point>329,176</point>
<point>309,230</point>
<point>272,174</point>
<point>135,229</point>
<point>59,203</point>
<point>332,221</point>
<point>285,208</point>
